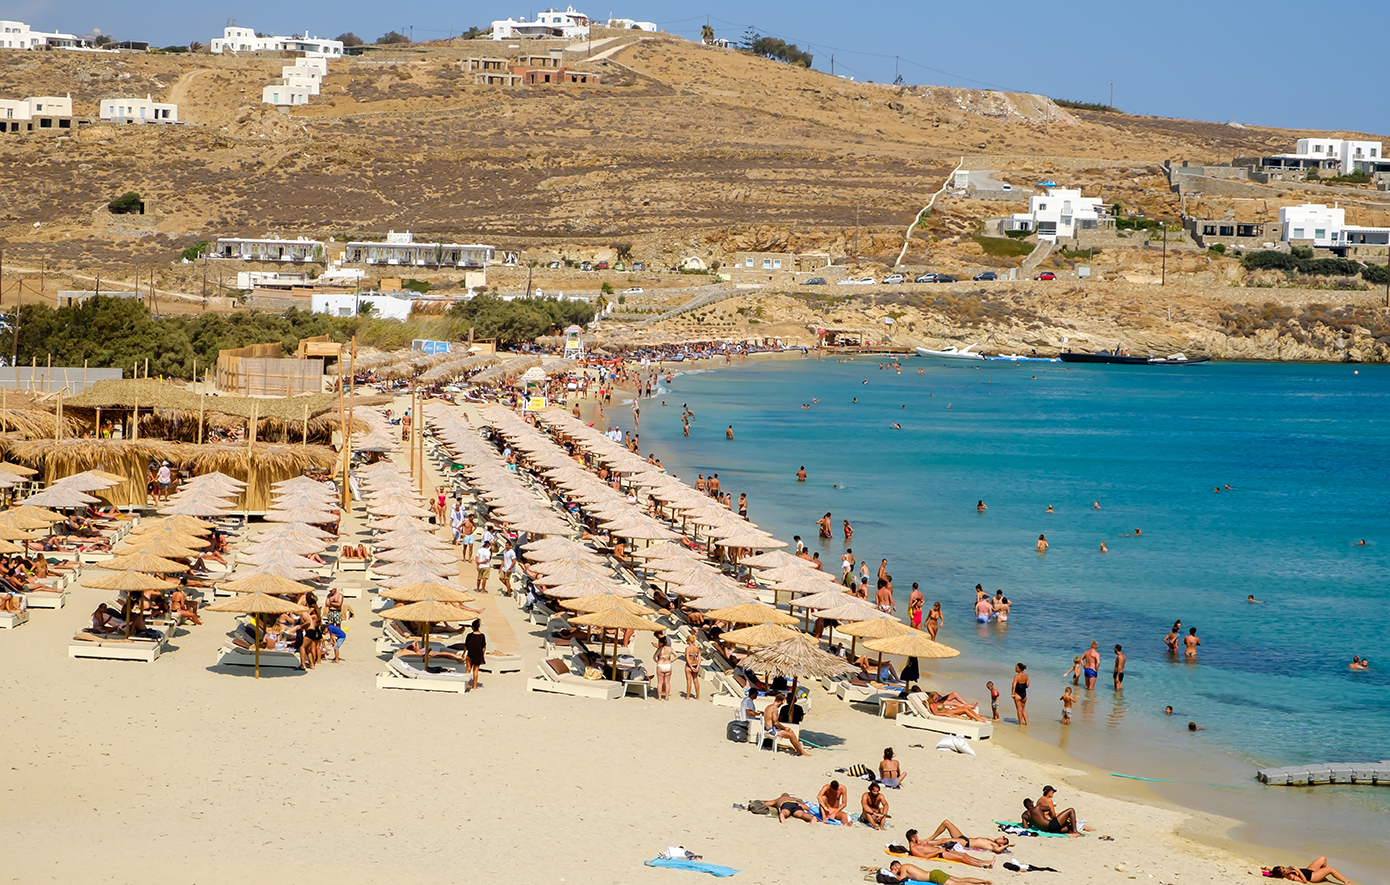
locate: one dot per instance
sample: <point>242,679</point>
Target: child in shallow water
<point>1067,699</point>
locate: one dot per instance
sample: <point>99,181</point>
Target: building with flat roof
<point>236,40</point>
<point>138,110</point>
<point>1059,214</point>
<point>1325,227</point>
<point>300,249</point>
<point>35,113</point>
<point>569,25</point>
<point>401,249</point>
<point>18,35</point>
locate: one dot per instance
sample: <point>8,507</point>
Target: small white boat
<point>951,353</point>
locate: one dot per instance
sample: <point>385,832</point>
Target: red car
<point>1046,275</point>
<point>602,265</point>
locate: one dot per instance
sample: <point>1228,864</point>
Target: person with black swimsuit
<point>1020,693</point>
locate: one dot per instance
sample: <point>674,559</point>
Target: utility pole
<point>1112,95</point>
<point>14,352</point>
<point>1164,280</point>
<point>832,65</point>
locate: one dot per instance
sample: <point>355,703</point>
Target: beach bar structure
<point>401,249</point>
<point>300,250</point>
<point>263,370</point>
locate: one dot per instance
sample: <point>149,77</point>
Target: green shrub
<point>1017,234</point>
<point>192,253</point>
<point>392,37</point>
<point>1303,252</point>
<point>421,286</point>
<point>1375,274</point>
<point>1137,224</point>
<point>1356,176</point>
<point>1003,247</point>
<point>127,204</point>
<point>1218,249</point>
<point>606,288</point>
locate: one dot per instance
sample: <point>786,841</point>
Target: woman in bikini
<point>934,618</point>
<point>665,661</point>
<point>1020,692</point>
<point>1317,871</point>
<point>692,668</point>
<point>180,604</point>
<point>1171,640</point>
<point>824,525</point>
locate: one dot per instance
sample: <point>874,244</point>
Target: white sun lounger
<point>400,674</point>
<point>555,677</point>
<point>914,714</point>
<point>236,656</point>
<point>118,648</point>
<point>47,599</point>
<point>727,691</point>
<point>10,620</point>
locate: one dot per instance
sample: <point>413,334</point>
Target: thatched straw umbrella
<point>300,514</point>
<point>752,613</point>
<point>256,604</point>
<point>169,548</point>
<point>606,602</point>
<point>10,533</point>
<point>141,562</point>
<point>774,559</point>
<point>426,611</point>
<point>263,583</point>
<point>911,644</point>
<point>63,497</point>
<point>18,520</point>
<point>90,480</point>
<point>875,628</point>
<point>185,524</point>
<point>422,590</point>
<point>439,569</point>
<point>794,658</point>
<point>582,587</point>
<point>194,507</point>
<point>757,635</point>
<point>128,582</point>
<point>615,619</point>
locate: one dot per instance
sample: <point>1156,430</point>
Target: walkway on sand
<point>1040,251</point>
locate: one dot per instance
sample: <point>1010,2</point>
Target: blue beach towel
<point>694,866</point>
<point>1032,831</point>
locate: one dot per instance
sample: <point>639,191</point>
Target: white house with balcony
<point>237,40</point>
<point>568,25</point>
<point>1337,154</point>
<point>138,110</point>
<point>1326,228</point>
<point>299,250</point>
<point>1058,214</point>
<point>401,249</point>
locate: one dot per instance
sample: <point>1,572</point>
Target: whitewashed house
<point>627,24</point>
<point>138,110</point>
<point>35,112</point>
<point>271,249</point>
<point>1058,214</point>
<point>285,95</point>
<point>18,35</point>
<point>235,40</point>
<point>383,305</point>
<point>1326,228</point>
<point>568,25</point>
<point>401,249</point>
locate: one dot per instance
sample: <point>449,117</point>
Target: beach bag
<point>886,878</point>
<point>857,770</point>
<point>593,673</point>
<point>955,743</point>
<point>737,731</point>
<point>757,806</point>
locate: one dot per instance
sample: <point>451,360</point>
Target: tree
<point>750,37</point>
<point>706,34</point>
<point>779,50</point>
<point>128,203</point>
<point>349,39</point>
<point>392,37</point>
<point>102,40</point>
<point>195,46</point>
<point>365,308</point>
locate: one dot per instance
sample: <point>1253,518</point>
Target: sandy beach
<point>180,771</point>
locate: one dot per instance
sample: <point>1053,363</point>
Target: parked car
<point>815,281</point>
<point>926,278</point>
<point>892,279</point>
<point>602,265</point>
<point>635,290</point>
<point>637,265</point>
<point>986,275</point>
<point>946,278</point>
<point>555,265</point>
<point>1046,275</point>
<point>867,281</point>
<point>586,265</point>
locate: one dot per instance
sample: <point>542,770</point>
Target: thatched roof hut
<point>259,466</point>
<point>507,371</point>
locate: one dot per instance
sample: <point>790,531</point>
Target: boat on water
<point>1019,358</point>
<point>1105,357</point>
<point>952,353</point>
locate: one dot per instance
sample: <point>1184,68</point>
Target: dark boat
<point>1108,358</point>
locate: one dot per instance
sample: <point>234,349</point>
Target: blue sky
<point>1276,63</point>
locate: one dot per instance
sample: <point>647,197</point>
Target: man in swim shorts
<point>906,872</point>
<point>983,610</point>
<point>1119,673</point>
<point>1090,663</point>
<point>788,808</point>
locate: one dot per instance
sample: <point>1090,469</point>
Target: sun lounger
<point>117,648</point>
<point>914,714</point>
<point>46,598</point>
<point>236,656</point>
<point>555,677</point>
<point>403,674</point>
<point>10,620</point>
<point>856,691</point>
<point>727,690</point>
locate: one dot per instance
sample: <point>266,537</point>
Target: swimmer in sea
<point>1361,543</point>
<point>1137,533</point>
<point>1171,640</point>
<point>729,434</point>
<point>1357,664</point>
<point>1168,710</point>
<point>1103,548</point>
<point>919,371</point>
<point>1192,726</point>
<point>801,473</point>
<point>1192,642</point>
<point>1042,544</point>
<point>1049,508</point>
<point>897,427</point>
<point>980,507</point>
<point>856,399</point>
<point>1251,598</point>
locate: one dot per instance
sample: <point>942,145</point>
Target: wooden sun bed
<point>555,677</point>
<point>400,674</point>
<point>914,714</point>
<point>118,648</point>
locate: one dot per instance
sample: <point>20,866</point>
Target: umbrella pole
<point>257,621</point>
<point>427,645</point>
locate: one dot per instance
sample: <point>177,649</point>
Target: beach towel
<point>1013,828</point>
<point>901,856</point>
<point>694,866</point>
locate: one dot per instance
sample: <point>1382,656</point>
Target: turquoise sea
<point>1305,449</point>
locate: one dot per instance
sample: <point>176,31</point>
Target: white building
<point>138,110</point>
<point>1327,153</point>
<point>286,95</point>
<point>569,25</point>
<point>1059,213</point>
<point>1327,228</point>
<point>270,249</point>
<point>383,305</point>
<point>245,40</point>
<point>627,24</point>
<point>35,112</point>
<point>18,35</point>
<point>401,248</point>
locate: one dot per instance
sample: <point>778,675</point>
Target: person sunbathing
<point>11,602</point>
<point>1035,817</point>
<point>190,579</point>
<point>928,850</point>
<point>201,564</point>
<point>907,872</point>
<point>1316,871</point>
<point>937,707</point>
<point>42,567</point>
<point>979,843</point>
<point>773,727</point>
<point>789,807</point>
<point>885,672</point>
<point>180,604</point>
<point>416,650</point>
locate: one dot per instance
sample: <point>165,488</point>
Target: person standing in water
<point>1119,672</point>
<point>1171,640</point>
<point>915,601</point>
<point>1042,544</point>
<point>934,619</point>
<point>1192,642</point>
<point>1020,692</point>
<point>824,524</point>
<point>1090,662</point>
<point>801,473</point>
<point>729,434</point>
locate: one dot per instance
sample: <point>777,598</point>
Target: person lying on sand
<point>789,807</point>
<point>931,850</point>
<point>1035,818</point>
<point>1316,871</point>
<point>979,843</point>
<point>907,872</point>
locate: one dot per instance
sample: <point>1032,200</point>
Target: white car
<point>868,281</point>
<point>635,290</point>
<point>892,279</point>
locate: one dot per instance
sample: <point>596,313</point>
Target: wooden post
<point>48,376</point>
<point>58,417</point>
<point>147,367</point>
<point>305,440</point>
<point>345,428</point>
<point>96,431</point>
<point>202,402</point>
<point>411,442</point>
<point>33,371</point>
<point>345,440</point>
<point>84,374</point>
